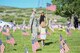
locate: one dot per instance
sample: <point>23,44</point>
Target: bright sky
<point>24,3</point>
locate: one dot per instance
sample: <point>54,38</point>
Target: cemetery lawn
<point>52,44</point>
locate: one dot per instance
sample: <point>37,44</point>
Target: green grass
<point>52,42</point>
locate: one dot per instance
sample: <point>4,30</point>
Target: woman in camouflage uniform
<point>34,28</point>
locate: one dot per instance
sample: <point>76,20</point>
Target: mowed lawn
<point>52,44</point>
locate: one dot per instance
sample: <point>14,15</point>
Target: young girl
<point>43,33</point>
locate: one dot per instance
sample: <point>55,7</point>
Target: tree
<point>67,7</point>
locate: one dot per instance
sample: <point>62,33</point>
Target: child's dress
<point>42,33</point>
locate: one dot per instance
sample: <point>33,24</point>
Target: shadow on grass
<point>48,43</point>
<point>15,49</point>
<point>39,50</point>
<point>39,40</point>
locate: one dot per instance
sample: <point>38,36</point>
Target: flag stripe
<point>35,46</point>
<point>51,7</point>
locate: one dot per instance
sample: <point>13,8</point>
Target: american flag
<point>66,47</point>
<point>51,7</point>
<point>14,28</point>
<point>2,47</point>
<point>61,49</point>
<point>0,29</point>
<point>61,37</point>
<point>68,32</point>
<point>35,45</point>
<point>8,41</point>
<point>0,42</point>
<point>24,33</point>
<point>4,32</point>
<point>11,41</point>
<point>63,45</point>
<point>26,50</point>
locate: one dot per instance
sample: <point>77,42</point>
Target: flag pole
<point>46,17</point>
<point>24,45</point>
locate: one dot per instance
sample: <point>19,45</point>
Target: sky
<point>25,3</point>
